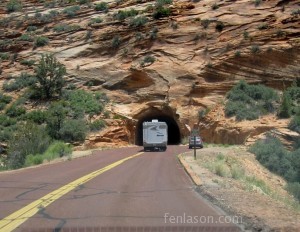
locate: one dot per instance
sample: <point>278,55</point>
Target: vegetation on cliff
<point>64,115</point>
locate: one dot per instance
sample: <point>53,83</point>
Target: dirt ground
<point>234,180</point>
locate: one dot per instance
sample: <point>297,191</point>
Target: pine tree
<point>285,108</point>
<point>50,76</point>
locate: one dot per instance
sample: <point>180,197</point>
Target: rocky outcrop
<point>200,51</point>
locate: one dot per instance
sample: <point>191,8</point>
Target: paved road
<point>149,191</point>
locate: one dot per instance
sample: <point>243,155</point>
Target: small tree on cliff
<point>50,76</point>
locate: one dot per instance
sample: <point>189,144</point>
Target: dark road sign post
<point>194,147</point>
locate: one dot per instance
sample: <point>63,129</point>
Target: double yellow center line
<point>14,220</point>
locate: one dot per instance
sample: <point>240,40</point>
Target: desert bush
<point>36,116</point>
<point>5,99</point>
<point>294,189</point>
<point>50,76</point>
<point>214,6</point>
<point>27,62</point>
<point>271,153</point>
<point>255,49</point>
<point>123,14</point>
<point>41,41</point>
<point>295,123</point>
<point>23,81</point>
<point>237,172</point>
<point>205,23</point>
<point>57,149</point>
<point>13,5</point>
<point>138,21</point>
<point>65,27</point>
<point>257,2</point>
<point>116,42</point>
<point>161,12</point>
<point>31,28</point>
<point>250,101</point>
<point>6,121</point>
<point>73,130</point>
<point>82,102</point>
<point>148,60</point>
<point>161,3</point>
<point>4,56</point>
<point>95,20</point>
<point>219,26</point>
<point>97,125</point>
<point>263,26</point>
<point>28,139</point>
<point>103,6</point>
<point>56,115</point>
<point>15,111</point>
<point>285,109</point>
<point>71,11</point>
<point>26,37</point>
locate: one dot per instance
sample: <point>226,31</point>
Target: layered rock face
<point>172,67</point>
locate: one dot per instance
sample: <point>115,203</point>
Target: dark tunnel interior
<point>174,136</point>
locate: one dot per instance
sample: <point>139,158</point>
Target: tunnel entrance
<point>174,136</point>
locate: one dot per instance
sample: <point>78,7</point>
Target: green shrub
<point>138,21</point>
<point>123,14</point>
<point>285,109</point>
<point>294,97</point>
<point>15,111</point>
<point>71,11</point>
<point>161,12</point>
<point>252,181</point>
<point>205,23</point>
<point>294,189</point>
<point>5,99</point>
<point>82,102</point>
<point>28,139</point>
<point>271,153</point>
<point>65,27</point>
<point>41,41</point>
<point>50,76</point>
<point>6,133</point>
<point>37,116</point>
<point>250,101</point>
<point>116,42</point>
<point>257,2</point>
<point>97,125</point>
<point>28,62</point>
<point>31,28</point>
<point>13,5</point>
<point>56,115</point>
<point>6,121</point>
<point>237,172</point>
<point>95,20</point>
<point>160,3</point>
<point>148,60</point>
<point>26,37</point>
<point>255,49</point>
<point>222,169</point>
<point>103,6</point>
<point>31,160</point>
<point>295,123</point>
<point>73,130</point>
<point>4,56</point>
<point>215,6</point>
<point>57,149</point>
<point>263,26</point>
<point>219,26</point>
<point>24,80</point>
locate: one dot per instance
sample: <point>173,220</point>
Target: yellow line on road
<point>14,220</point>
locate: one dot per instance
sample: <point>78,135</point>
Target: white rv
<point>155,135</point>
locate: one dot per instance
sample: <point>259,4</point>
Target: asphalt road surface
<point>146,192</point>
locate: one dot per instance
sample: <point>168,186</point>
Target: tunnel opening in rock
<point>174,135</point>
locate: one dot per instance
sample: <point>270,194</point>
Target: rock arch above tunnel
<point>166,115</point>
